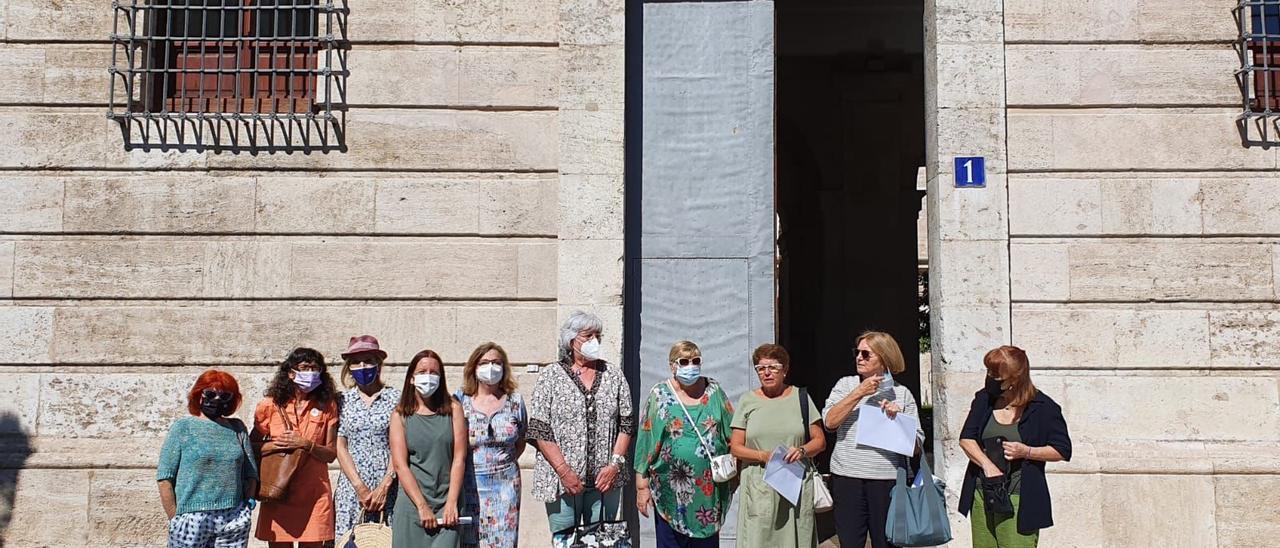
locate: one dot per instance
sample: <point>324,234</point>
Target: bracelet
<point>617,459</point>
<point>1028,455</point>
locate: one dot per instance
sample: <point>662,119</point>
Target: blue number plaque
<point>971,172</point>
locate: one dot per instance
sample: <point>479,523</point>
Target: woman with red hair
<point>205,473</point>
<point>1012,430</point>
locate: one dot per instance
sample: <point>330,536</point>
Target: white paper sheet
<point>786,479</point>
<point>875,429</point>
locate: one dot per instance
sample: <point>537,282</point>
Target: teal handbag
<point>917,515</point>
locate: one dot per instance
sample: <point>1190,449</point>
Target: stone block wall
<point>1139,242</point>
<point>481,199</point>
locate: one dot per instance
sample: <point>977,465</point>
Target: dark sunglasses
<point>864,354</point>
<point>686,361</point>
<point>217,395</point>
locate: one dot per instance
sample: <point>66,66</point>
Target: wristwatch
<point>619,460</point>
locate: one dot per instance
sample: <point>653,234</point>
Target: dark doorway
<point>851,129</point>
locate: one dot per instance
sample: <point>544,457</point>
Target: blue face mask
<point>688,374</point>
<point>366,376</point>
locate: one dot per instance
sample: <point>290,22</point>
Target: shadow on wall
<point>15,448</point>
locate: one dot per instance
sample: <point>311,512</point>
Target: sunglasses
<point>497,363</point>
<point>863,354</point>
<point>772,368</point>
<point>686,361</point>
<point>216,395</point>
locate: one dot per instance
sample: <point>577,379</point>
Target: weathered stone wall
<point>1128,243</point>
<point>481,199</point>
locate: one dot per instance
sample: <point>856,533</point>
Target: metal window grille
<point>230,75</point>
<point>1259,76</point>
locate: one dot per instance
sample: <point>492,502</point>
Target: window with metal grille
<point>1259,74</point>
<point>253,75</point>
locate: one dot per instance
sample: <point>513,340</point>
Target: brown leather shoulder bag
<point>277,466</point>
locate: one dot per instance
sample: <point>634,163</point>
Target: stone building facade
<point>1138,236</point>
<point>512,160</point>
<point>480,199</point>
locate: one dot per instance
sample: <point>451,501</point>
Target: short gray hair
<point>576,323</point>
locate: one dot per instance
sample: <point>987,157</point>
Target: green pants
<point>589,507</point>
<point>991,530</point>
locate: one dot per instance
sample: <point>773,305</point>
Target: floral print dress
<point>493,482</point>
<point>669,453</point>
<point>366,428</point>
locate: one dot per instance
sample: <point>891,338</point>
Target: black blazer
<point>1041,424</point>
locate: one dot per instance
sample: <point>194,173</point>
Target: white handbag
<point>821,495</point>
<point>723,467</point>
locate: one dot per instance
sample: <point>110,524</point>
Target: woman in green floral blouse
<point>673,465</point>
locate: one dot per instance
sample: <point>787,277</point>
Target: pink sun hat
<point>363,343</point>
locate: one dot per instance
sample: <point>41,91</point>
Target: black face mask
<point>214,408</point>
<point>993,388</point>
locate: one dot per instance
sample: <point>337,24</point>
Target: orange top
<point>306,514</point>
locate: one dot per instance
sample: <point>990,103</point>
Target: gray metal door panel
<point>700,300</point>
<point>704,213</point>
<point>708,130</point>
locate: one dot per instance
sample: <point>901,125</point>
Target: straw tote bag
<point>370,534</point>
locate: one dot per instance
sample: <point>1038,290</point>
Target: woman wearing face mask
<point>429,451</point>
<point>497,423</point>
<point>299,412</point>
<point>206,474</point>
<point>581,423</point>
<point>685,423</point>
<point>364,453</point>
<point>768,418</point>
<point>1011,431</point>
<point>862,477</point>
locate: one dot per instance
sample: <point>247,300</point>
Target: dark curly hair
<point>282,388</point>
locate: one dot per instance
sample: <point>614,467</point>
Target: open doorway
<point>850,133</point>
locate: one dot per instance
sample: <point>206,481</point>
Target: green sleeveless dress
<point>430,441</point>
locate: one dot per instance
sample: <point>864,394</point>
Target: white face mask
<point>426,383</point>
<point>590,349</point>
<point>489,373</point>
